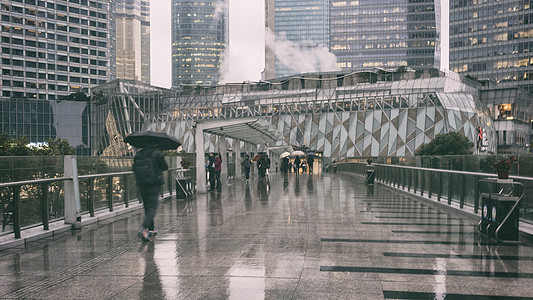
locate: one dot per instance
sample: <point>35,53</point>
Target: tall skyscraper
<point>133,39</point>
<point>200,37</point>
<point>294,27</point>
<point>51,49</point>
<point>493,40</point>
<point>369,33</point>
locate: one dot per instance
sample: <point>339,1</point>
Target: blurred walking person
<point>148,167</point>
<point>218,170</point>
<point>246,165</point>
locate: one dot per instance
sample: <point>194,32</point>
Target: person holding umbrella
<point>149,183</point>
<point>148,166</point>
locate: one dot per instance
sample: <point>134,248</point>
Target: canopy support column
<point>237,149</point>
<point>222,146</point>
<point>200,159</point>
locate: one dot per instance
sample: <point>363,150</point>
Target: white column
<point>237,150</point>
<point>222,148</point>
<point>72,192</point>
<point>200,159</point>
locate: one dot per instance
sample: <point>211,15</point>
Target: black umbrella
<point>143,139</point>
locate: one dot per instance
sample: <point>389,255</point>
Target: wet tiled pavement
<point>324,236</point>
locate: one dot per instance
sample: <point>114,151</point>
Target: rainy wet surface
<point>326,236</point>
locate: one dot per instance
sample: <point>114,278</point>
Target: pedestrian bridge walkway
<point>325,236</point>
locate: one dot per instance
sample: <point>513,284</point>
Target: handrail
<point>462,187</point>
<point>34,181</point>
<point>440,170</point>
<point>45,203</point>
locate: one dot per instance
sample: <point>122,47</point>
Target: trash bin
<point>183,187</point>
<point>370,176</point>
<point>486,208</point>
<point>499,227</point>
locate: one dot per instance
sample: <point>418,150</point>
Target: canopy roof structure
<point>254,130</point>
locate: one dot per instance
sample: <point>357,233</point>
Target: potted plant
<point>502,167</point>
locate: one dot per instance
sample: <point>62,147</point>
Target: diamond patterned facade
<point>367,113</point>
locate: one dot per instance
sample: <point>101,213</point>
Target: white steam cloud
<point>298,57</point>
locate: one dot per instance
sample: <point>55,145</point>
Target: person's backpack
<point>145,169</point>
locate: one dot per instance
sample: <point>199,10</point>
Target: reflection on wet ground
<point>323,236</point>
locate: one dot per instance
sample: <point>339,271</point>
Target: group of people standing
<point>214,166</point>
<point>297,164</point>
<point>263,165</point>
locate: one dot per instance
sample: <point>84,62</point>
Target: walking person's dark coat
<point>150,193</point>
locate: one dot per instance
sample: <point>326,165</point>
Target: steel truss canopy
<point>255,130</point>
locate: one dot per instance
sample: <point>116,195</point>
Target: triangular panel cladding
<point>421,119</point>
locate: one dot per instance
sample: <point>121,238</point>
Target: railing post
<point>109,192</point>
<point>126,190</point>
<point>430,182</point>
<point>463,185</point>
<point>439,189</point>
<point>422,182</point>
<point>476,194</point>
<point>415,181</point>
<point>90,204</point>
<point>409,179</point>
<point>72,193</point>
<point>450,188</point>
<point>404,178</point>
<point>16,211</point>
<point>169,180</point>
<point>45,213</point>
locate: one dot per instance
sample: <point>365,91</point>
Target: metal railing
<point>453,187</point>
<point>38,202</point>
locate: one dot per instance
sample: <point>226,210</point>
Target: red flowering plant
<point>503,165</point>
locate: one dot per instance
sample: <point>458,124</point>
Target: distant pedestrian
<point>218,170</point>
<point>148,167</point>
<point>246,165</point>
<point>211,169</point>
<point>262,165</point>
<point>310,161</point>
<point>285,165</point>
<point>297,162</point>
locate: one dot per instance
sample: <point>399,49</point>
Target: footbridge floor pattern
<point>322,236</point>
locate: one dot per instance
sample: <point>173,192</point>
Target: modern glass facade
<point>120,108</point>
<point>493,40</point>
<point>368,33</point>
<point>358,114</point>
<point>302,22</point>
<point>133,40</point>
<point>200,36</point>
<point>51,49</point>
<point>40,121</point>
<point>512,112</point>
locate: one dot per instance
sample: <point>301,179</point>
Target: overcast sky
<point>247,41</point>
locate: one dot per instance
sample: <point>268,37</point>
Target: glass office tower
<point>133,40</point>
<point>396,33</point>
<point>51,49</point>
<point>302,23</point>
<point>200,36</point>
<point>493,40</point>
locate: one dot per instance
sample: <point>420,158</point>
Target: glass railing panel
<point>444,189</point>
<point>30,206</point>
<point>56,200</point>
<point>118,190</point>
<point>6,208</point>
<point>100,193</point>
<point>470,183</point>
<point>456,187</point>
